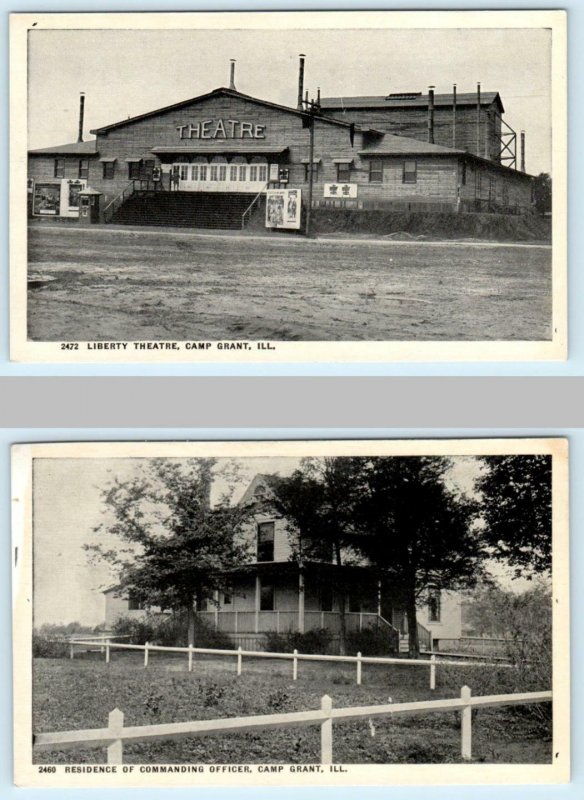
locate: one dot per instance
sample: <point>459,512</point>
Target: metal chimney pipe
<point>454,115</point>
<point>431,114</point>
<point>301,81</point>
<point>522,151</point>
<point>81,116</point>
<point>478,150</point>
<point>318,97</point>
<point>232,75</point>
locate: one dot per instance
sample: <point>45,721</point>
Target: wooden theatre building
<point>208,161</point>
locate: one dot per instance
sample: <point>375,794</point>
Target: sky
<point>125,73</point>
<point>67,505</point>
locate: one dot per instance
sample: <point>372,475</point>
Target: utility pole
<point>310,170</point>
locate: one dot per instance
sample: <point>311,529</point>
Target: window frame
<point>315,165</point>
<point>343,172</point>
<point>263,543</point>
<point>59,168</point>
<point>376,168</point>
<point>134,168</point>
<point>83,169</point>
<point>434,606</point>
<point>109,170</point>
<point>407,174</point>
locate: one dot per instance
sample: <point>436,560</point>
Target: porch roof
<point>294,567</point>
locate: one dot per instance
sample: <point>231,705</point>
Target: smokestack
<point>431,114</point>
<point>318,97</point>
<point>301,81</point>
<point>81,115</point>
<point>454,115</point>
<point>522,151</point>
<point>232,75</point>
<point>478,150</point>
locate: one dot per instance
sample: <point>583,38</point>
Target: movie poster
<point>283,208</point>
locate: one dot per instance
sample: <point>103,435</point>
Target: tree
<point>542,193</point>
<point>417,531</point>
<point>318,500</point>
<point>178,549</point>
<point>517,511</point>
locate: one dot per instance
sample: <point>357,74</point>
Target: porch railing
<point>245,217</point>
<point>112,207</point>
<point>283,621</point>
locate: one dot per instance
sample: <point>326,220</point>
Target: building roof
<point>74,149</point>
<point>409,100</point>
<point>218,147</point>
<point>392,145</point>
<point>222,90</point>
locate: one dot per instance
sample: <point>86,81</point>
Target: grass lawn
<point>77,694</point>
<point>132,285</point>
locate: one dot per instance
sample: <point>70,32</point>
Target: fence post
<point>295,666</point>
<point>466,725</point>
<point>71,651</point>
<point>190,657</point>
<point>145,655</point>
<point>326,731</point>
<point>107,651</point>
<point>115,728</point>
<point>239,660</point>
<point>432,672</point>
<point>359,669</point>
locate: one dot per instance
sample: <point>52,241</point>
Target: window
<point>243,173</point>
<point>267,597</point>
<point>195,172</point>
<point>410,173</point>
<point>263,172</point>
<point>83,168</point>
<point>434,605</point>
<point>253,173</point>
<point>478,183</point>
<point>375,171</point>
<point>213,172</point>
<point>326,598</point>
<point>109,170</point>
<point>133,170</point>
<point>314,172</point>
<point>227,600</point>
<point>184,172</point>
<point>59,171</point>
<point>148,168</point>
<point>203,172</point>
<point>135,602</point>
<point>223,172</point>
<point>266,541</point>
<point>463,173</point>
<point>343,173</point>
<point>232,173</point>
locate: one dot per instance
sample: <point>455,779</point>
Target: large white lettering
<point>221,129</point>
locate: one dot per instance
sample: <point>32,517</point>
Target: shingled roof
<point>74,149</point>
<point>409,100</point>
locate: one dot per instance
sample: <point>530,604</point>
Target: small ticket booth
<point>90,205</point>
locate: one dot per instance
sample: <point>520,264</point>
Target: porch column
<point>300,602</point>
<point>378,598</point>
<point>258,588</point>
<point>216,608</point>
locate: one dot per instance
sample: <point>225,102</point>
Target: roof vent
<point>403,95</point>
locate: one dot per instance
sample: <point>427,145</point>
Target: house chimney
<point>431,114</point>
<point>232,75</point>
<point>81,115</point>
<point>522,151</point>
<point>478,150</point>
<point>301,81</point>
<point>454,115</point>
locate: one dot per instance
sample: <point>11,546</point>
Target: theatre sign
<point>221,129</point>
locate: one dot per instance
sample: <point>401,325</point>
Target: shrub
<point>169,630</point>
<point>44,646</point>
<point>314,641</point>
<point>370,641</point>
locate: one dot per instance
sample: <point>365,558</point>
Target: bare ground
<point>121,285</point>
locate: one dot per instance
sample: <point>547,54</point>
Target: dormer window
<point>265,544</point>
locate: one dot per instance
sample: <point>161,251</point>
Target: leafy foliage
<point>542,190</point>
<point>370,641</point>
<point>314,641</point>
<point>517,511</point>
<point>44,646</point>
<point>169,631</point>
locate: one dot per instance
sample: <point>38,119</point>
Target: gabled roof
<point>222,90</point>
<point>408,100</point>
<point>392,145</point>
<point>74,149</point>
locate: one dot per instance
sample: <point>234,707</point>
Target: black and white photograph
<point>268,187</point>
<point>311,613</point>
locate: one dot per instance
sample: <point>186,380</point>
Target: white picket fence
<point>114,736</point>
<point>295,657</point>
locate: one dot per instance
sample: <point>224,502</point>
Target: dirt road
<point>137,285</point>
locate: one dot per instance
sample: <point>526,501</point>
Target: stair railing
<point>393,633</point>
<point>248,210</point>
<point>113,205</point>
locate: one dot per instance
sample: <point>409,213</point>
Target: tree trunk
<point>413,640</point>
<point>191,624</point>
<point>342,604</point>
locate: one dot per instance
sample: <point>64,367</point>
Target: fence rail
<point>114,736</point>
<point>359,660</point>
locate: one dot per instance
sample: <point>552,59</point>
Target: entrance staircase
<point>219,210</point>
